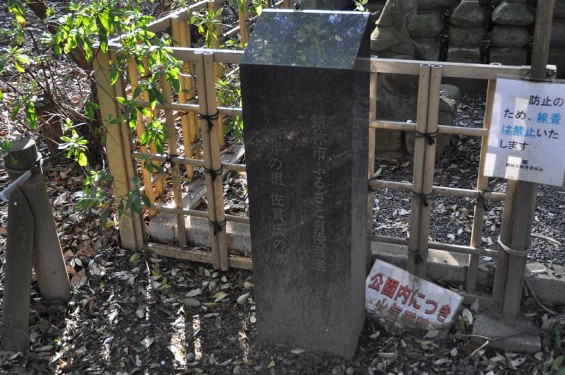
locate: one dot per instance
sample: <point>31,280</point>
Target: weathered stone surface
<point>517,14</point>
<point>509,36</point>
<point>508,56</point>
<point>559,9</point>
<point>469,13</point>
<point>466,36</point>
<point>431,48</point>
<point>557,58</point>
<point>466,55</point>
<point>430,4</point>
<point>426,24</point>
<point>517,336</point>
<point>557,33</point>
<point>324,4</point>
<point>305,111</point>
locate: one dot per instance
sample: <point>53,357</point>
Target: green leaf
<point>90,108</point>
<point>82,160</point>
<point>220,296</point>
<point>31,115</point>
<point>17,9</point>
<point>557,362</point>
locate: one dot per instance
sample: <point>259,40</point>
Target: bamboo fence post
<point>429,166</point>
<point>157,182</point>
<point>243,17</point>
<point>140,129</point>
<point>175,167</point>
<point>118,148</point>
<point>520,204</point>
<point>482,185</point>
<point>17,281</point>
<point>371,156</point>
<point>212,166</point>
<point>47,256</point>
<point>414,259</point>
<point>215,148</point>
<point>219,70</point>
<point>181,37</point>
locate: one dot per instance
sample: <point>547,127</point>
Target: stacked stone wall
<point>483,31</point>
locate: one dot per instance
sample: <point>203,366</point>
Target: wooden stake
<point>47,258</point>
<point>17,280</point>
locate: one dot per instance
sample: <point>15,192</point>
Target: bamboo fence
<point>193,120</point>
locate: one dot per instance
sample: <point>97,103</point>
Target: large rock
<point>430,4</point>
<point>426,24</point>
<point>517,14</point>
<point>469,13</point>
<point>509,36</point>
<point>431,48</point>
<point>466,36</point>
<point>465,55</point>
<point>557,57</point>
<point>508,56</point>
<point>557,33</point>
<point>559,9</point>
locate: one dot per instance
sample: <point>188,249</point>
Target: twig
<point>548,239</point>
<point>531,290</point>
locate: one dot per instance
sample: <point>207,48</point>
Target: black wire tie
<point>218,226</point>
<point>424,197</point>
<point>214,172</point>
<point>430,137</point>
<point>209,119</point>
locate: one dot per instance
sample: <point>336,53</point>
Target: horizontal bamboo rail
<point>452,248</point>
<point>196,255</point>
<point>439,190</point>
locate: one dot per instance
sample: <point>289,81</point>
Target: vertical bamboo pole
<point>208,130</point>
<point>371,156</point>
<point>288,4</point>
<point>482,185</point>
<point>118,149</point>
<point>243,17</point>
<point>215,147</point>
<point>181,37</point>
<point>175,167</point>
<point>158,184</point>
<point>218,68</point>
<point>414,257</point>
<point>429,166</point>
<point>520,203</point>
<point>140,129</point>
<point>372,117</point>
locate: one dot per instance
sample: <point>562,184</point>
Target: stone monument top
<point>319,39</point>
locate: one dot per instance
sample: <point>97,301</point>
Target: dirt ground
<point>133,313</point>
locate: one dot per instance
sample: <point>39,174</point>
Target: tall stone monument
<point>305,110</point>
